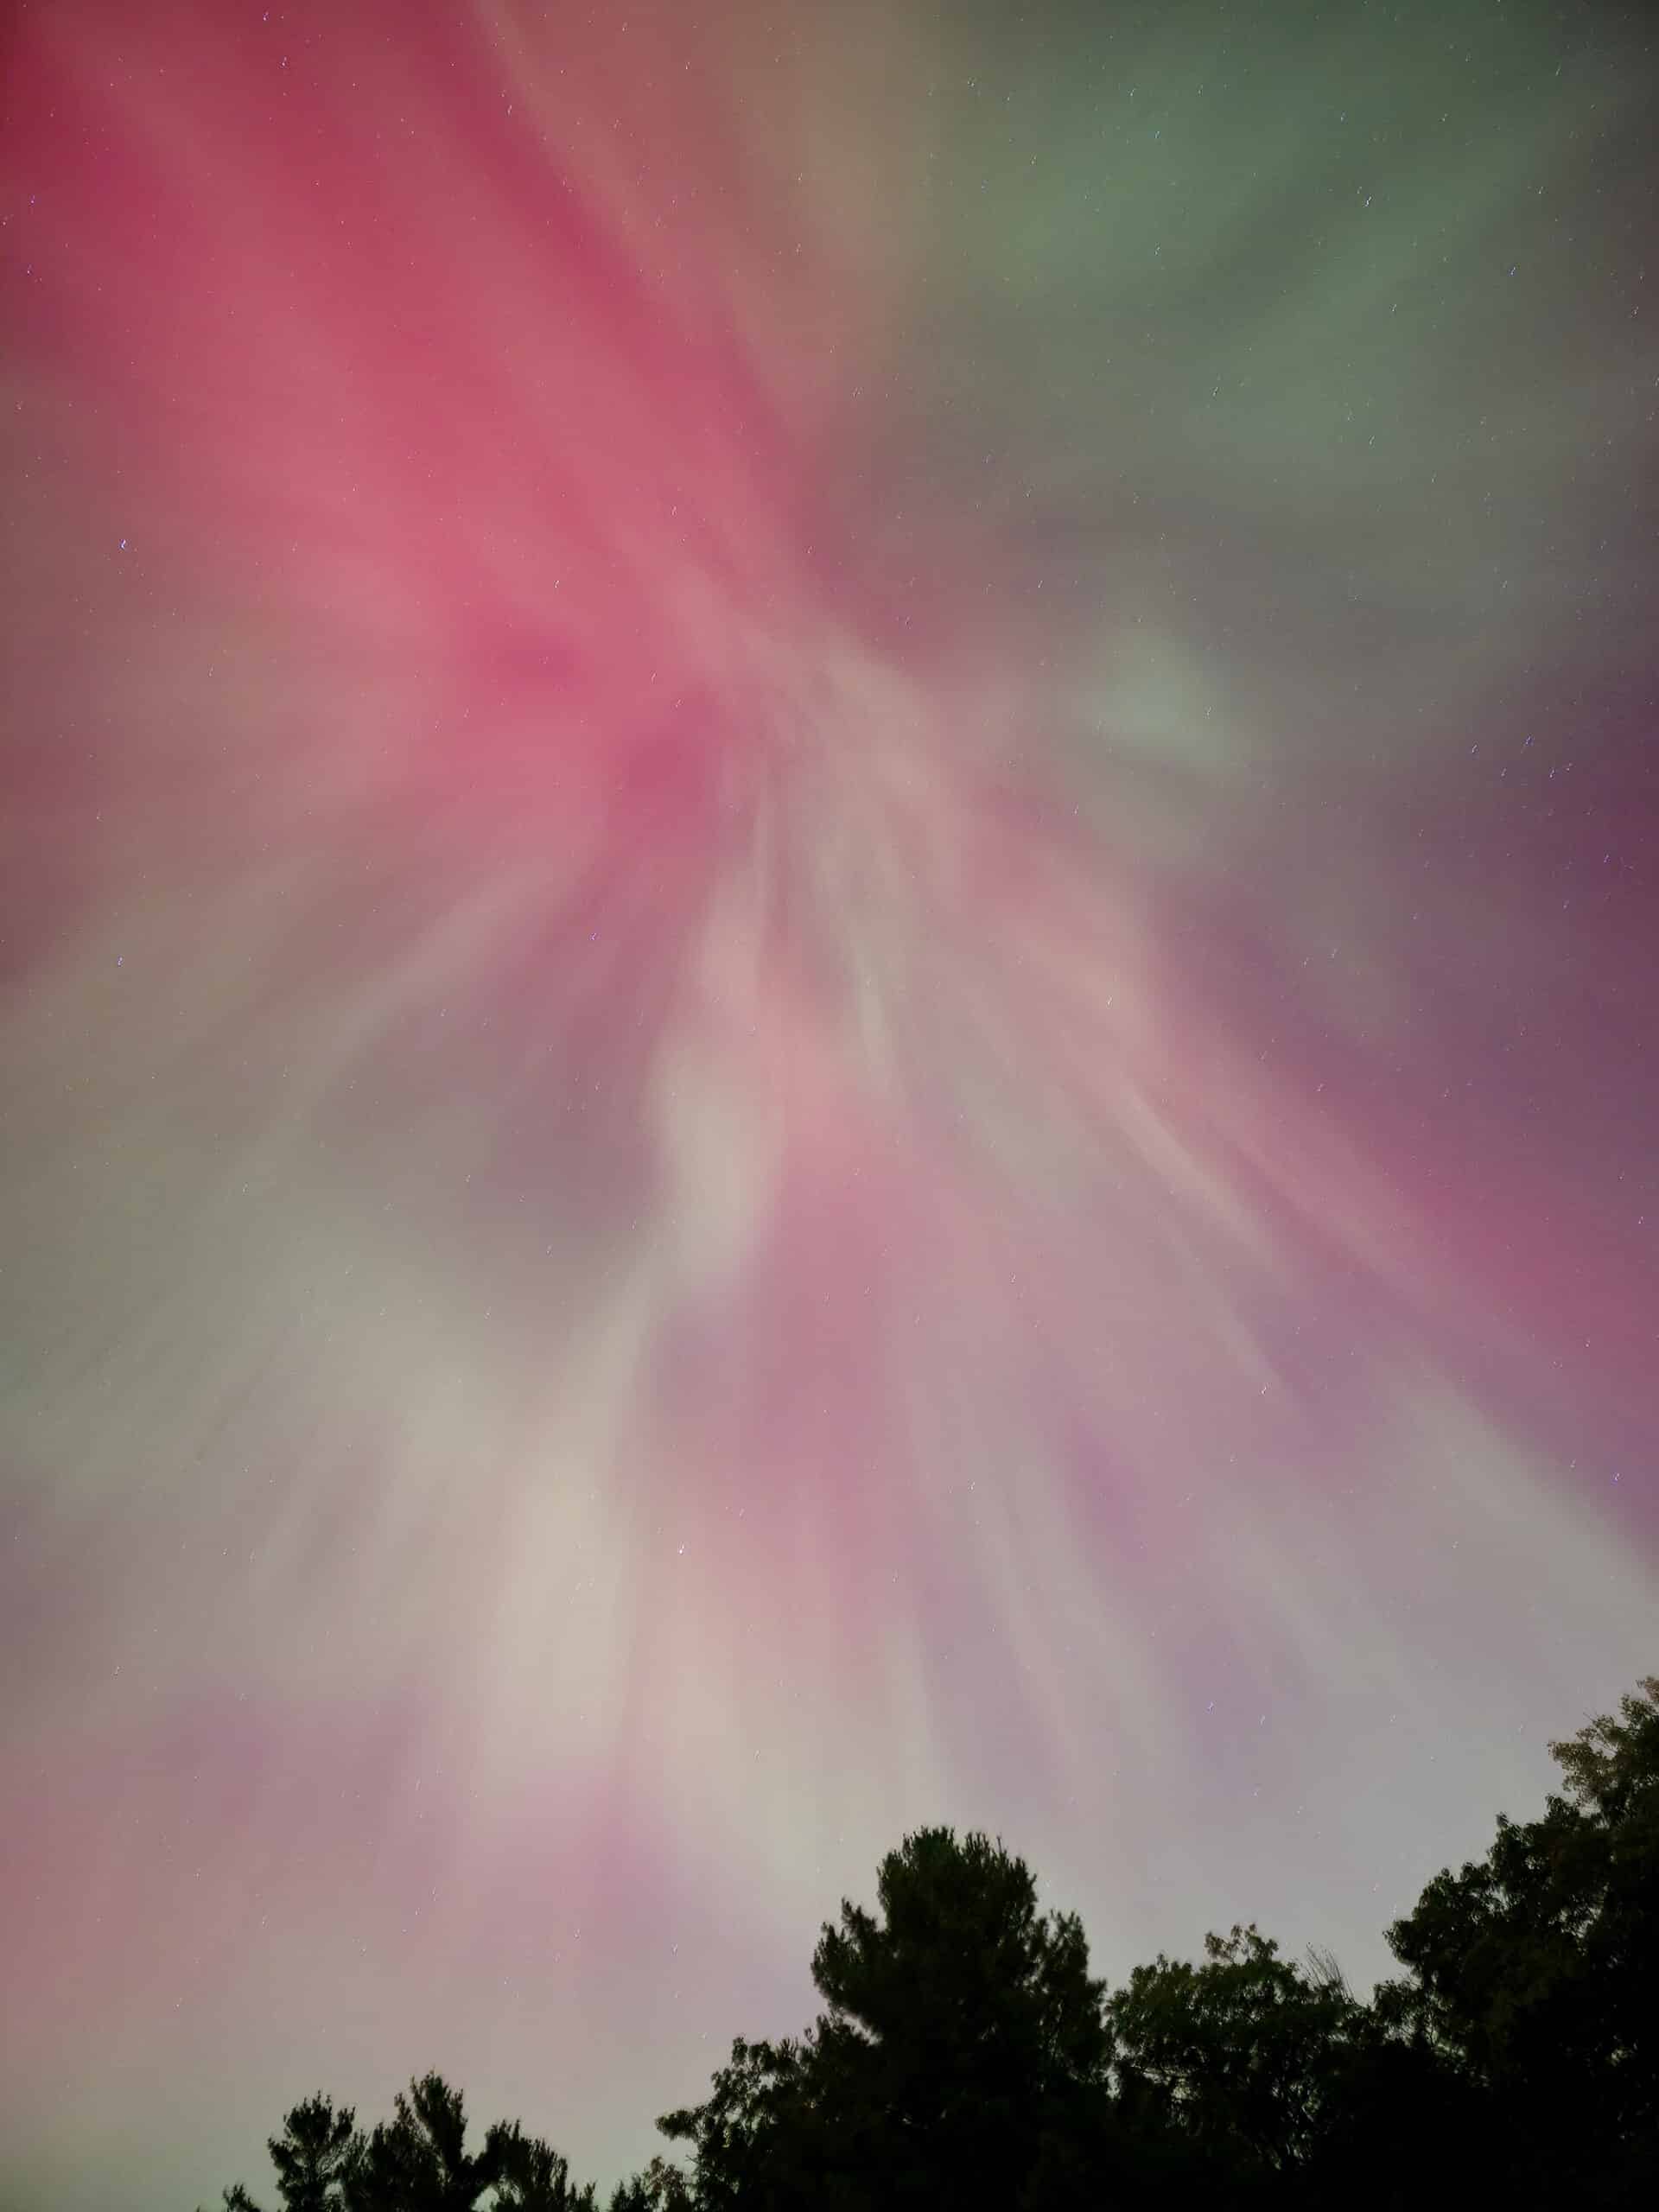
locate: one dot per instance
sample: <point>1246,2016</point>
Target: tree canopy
<point>965,2056</point>
<point>961,2028</point>
<point>1537,1968</point>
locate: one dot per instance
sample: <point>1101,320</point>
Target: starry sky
<point>828,998</point>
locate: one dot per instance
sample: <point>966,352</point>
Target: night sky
<point>829,997</point>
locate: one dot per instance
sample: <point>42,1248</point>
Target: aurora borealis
<point>830,933</point>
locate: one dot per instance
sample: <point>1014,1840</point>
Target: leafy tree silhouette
<point>966,2057</point>
<point>1238,2052</point>
<point>1289,2089</point>
<point>661,2187</point>
<point>758,2136</point>
<point>1535,1969</point>
<point>317,2157</point>
<point>529,2175</point>
<point>419,2161</point>
<point>962,2028</point>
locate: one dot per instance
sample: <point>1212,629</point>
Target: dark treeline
<point>965,2056</point>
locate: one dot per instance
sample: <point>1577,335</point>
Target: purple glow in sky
<point>829,997</point>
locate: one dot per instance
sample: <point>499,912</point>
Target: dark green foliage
<point>963,2022</point>
<point>966,2058</point>
<point>1290,2090</point>
<point>1243,2053</point>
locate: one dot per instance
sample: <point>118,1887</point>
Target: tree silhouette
<point>756,2134</point>
<point>661,2187</point>
<point>416,2162</point>
<point>419,2162</point>
<point>317,2157</point>
<point>1241,2053</point>
<point>1287,2089</point>
<point>965,2058</point>
<point>529,2175</point>
<point>1535,1968</point>
<point>962,2028</point>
